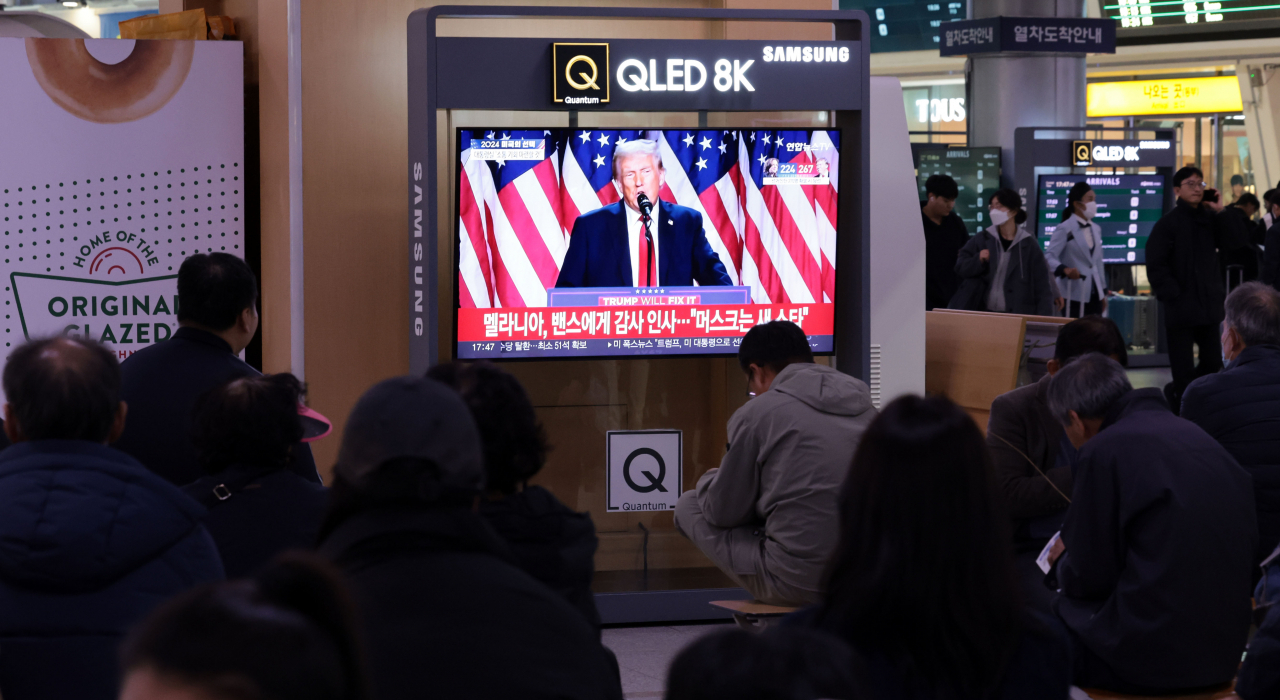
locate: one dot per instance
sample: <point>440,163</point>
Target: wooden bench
<point>1226,692</point>
<point>753,615</point>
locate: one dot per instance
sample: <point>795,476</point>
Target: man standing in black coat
<point>1182,264</point>
<point>1159,540</point>
<point>446,610</point>
<point>217,317</point>
<point>944,236</point>
<point>1240,406</point>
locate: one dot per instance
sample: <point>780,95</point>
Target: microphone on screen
<point>646,207</point>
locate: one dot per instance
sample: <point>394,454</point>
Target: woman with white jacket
<point>1075,254</point>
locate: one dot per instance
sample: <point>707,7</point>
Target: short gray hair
<point>1253,309</point>
<point>638,147</point>
<point>1088,386</point>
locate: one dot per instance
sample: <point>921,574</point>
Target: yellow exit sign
<point>1169,96</point>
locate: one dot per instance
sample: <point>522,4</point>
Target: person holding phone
<point>1183,267</point>
<point>1075,254</point>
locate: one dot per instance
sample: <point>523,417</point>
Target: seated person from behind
<point>767,516</point>
<point>217,317</point>
<point>247,432</point>
<point>90,541</point>
<point>552,543</point>
<point>439,596</point>
<point>920,500</point>
<point>782,663</point>
<point>1034,459</point>
<point>1240,406</point>
<point>1156,551</point>
<point>608,247</point>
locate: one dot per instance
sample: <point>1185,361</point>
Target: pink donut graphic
<point>106,93</point>
<point>115,260</point>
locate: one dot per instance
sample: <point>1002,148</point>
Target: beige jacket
<point>789,451</point>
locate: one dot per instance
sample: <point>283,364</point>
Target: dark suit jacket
<point>161,385</point>
<point>1182,262</point>
<point>1022,418</point>
<point>599,252</point>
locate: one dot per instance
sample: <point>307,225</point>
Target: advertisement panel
<point>556,258</point>
<point>120,159</point>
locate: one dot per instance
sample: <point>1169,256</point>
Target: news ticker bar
<point>588,348</point>
<point>636,323</point>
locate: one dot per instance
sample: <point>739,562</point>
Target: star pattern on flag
<point>489,135</point>
<point>723,146</point>
<point>621,140</point>
<point>702,163</point>
<point>585,136</point>
<point>688,139</point>
<point>705,143</point>
<point>753,137</point>
<point>598,160</point>
<point>604,139</point>
<point>779,140</point>
<point>761,159</point>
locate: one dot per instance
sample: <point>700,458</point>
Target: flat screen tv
<point>558,257</point>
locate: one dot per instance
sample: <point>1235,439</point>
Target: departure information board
<point>1155,13</point>
<point>1128,207</point>
<point>906,25</point>
<point>975,170</point>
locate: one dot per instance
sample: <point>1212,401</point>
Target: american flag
<point>515,217</point>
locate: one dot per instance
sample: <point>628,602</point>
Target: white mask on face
<point>1090,210</point>
<point>999,216</point>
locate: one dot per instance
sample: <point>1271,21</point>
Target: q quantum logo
<point>1082,153</point>
<point>580,73</point>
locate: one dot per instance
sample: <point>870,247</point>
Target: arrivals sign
<point>1027,34</point>
<point>1133,98</point>
<point>130,159</point>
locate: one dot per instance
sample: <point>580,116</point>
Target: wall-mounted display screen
<point>1155,13</point>
<point>975,170</point>
<point>906,25</point>
<point>556,256</point>
<point>1128,207</point>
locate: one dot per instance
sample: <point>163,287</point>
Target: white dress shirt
<point>1086,230</point>
<point>635,234</point>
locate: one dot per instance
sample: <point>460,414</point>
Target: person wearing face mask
<point>1075,254</point>
<point>1002,268</point>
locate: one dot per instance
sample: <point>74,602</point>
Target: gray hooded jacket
<point>790,449</point>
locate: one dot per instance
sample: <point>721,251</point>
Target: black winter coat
<point>446,613</point>
<point>550,542</point>
<point>1271,257</point>
<point>161,385</point>
<point>265,516</point>
<point>942,244</point>
<point>1160,538</point>
<point>1240,408</point>
<point>90,543</point>
<point>1182,262</point>
<point>1026,282</point>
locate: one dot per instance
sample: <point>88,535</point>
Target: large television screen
<point>555,258</point>
<point>1128,208</point>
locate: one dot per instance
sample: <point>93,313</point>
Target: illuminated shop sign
<point>1164,97</point>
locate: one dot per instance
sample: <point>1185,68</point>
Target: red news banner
<point>594,322</point>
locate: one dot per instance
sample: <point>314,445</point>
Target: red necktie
<point>644,259</point>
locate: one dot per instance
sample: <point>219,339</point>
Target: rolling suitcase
<point>1138,319</point>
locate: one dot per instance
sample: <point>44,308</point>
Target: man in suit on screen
<point>608,246</point>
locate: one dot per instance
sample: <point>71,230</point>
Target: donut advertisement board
<point>118,160</point>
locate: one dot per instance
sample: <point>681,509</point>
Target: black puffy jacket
<point>1240,408</point>
<point>90,542</point>
<point>1182,262</point>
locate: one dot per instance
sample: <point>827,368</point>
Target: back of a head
<point>286,634</point>
<point>1269,197</point>
<point>1248,199</point>
<point>1089,386</point>
<point>409,442</point>
<point>252,421</point>
<point>941,186</point>
<point>775,345</point>
<point>1090,334</point>
<point>784,663</point>
<point>63,389</point>
<point>515,444</point>
<point>214,289</point>
<point>920,500</point>
<point>1253,309</point>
